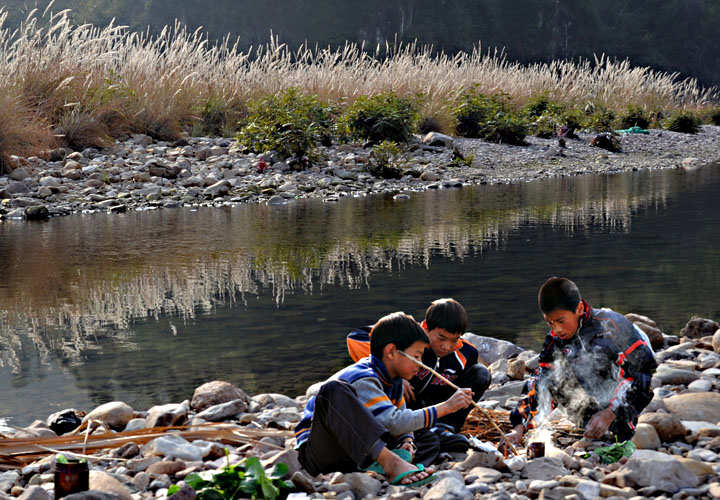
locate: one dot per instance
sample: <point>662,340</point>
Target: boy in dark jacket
<point>359,414</point>
<point>594,362</point>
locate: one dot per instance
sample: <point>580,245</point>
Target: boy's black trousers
<point>344,434</point>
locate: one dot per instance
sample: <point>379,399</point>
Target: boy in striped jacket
<point>359,414</point>
<point>594,363</point>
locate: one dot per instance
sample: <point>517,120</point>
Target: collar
<point>381,370</point>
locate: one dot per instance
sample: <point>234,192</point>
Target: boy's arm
<point>397,420</point>
<point>527,406</point>
<point>636,366</point>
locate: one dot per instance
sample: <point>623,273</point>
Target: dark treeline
<point>670,35</point>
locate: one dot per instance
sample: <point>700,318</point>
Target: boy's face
<point>398,365</point>
<point>565,323</point>
<point>442,342</point>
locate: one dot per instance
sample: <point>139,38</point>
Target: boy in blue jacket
<point>359,414</point>
<point>594,362</point>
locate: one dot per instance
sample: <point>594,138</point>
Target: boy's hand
<point>515,437</point>
<point>461,399</point>
<point>408,391</point>
<point>599,423</point>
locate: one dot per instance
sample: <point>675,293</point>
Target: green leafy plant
<point>634,116</point>
<point>380,117</point>
<point>290,123</point>
<point>247,478</point>
<point>683,121</point>
<point>386,160</point>
<point>599,119</point>
<point>613,453</point>
<point>714,116</point>
<point>62,459</point>
<point>488,117</point>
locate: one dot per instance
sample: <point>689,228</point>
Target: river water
<point>145,306</point>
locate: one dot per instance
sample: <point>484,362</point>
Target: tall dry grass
<point>121,81</point>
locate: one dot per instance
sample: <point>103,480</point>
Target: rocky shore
<point>677,439</point>
<point>140,173</point>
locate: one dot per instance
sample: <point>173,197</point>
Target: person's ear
<point>580,308</point>
<point>389,351</point>
<point>424,326</point>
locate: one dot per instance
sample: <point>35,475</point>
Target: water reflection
<point>89,296</point>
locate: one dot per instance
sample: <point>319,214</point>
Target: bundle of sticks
<point>16,453</point>
<point>478,424</point>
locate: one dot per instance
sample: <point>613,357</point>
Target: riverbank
<point>142,174</point>
<point>678,439</point>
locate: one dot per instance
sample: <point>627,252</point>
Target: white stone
<point>703,455</point>
<point>172,446</point>
<point>700,385</point>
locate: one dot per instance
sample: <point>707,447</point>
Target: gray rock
<point>346,174</point>
<point>17,188</point>
<point>478,458</point>
<point>449,488</point>
<point>543,468</point>
<point>19,174</point>
<point>220,188</point>
<point>667,375</point>
<point>172,446</point>
<point>537,485</point>
<point>115,414</point>
<point>362,484</point>
<point>429,176</point>
<point>166,415</point>
<point>141,480</point>
<point>646,437</point>
<point>654,334</point>
<point>302,482</point>
<point>49,181</point>
<point>716,341</point>
<point>502,393</point>
<point>276,200</point>
<point>485,475</point>
<point>287,457</point>
<point>699,327</point>
<point>275,399</point>
<point>652,468</point>
<point>102,481</point>
<point>34,493</point>
<point>92,495</point>
<point>216,392</point>
<point>491,349</point>
<point>18,213</point>
<point>8,480</point>
<point>438,139</point>
<point>223,411</point>
<point>157,169</point>
<point>700,385</point>
<point>703,455</point>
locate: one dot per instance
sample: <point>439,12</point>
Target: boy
<point>454,358</point>
<point>359,414</point>
<point>594,362</point>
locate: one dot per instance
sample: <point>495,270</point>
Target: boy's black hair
<point>397,328</point>
<point>447,314</point>
<point>558,293</point>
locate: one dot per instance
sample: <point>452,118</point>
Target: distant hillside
<point>671,35</point>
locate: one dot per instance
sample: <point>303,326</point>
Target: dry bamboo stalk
<point>482,410</point>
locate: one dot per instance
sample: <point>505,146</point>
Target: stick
<point>482,410</point>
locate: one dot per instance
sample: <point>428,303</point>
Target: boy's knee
<point>479,380</point>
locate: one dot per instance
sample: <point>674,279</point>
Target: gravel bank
<point>141,174</point>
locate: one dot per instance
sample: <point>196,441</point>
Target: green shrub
<point>714,115</point>
<point>488,117</point>
<point>387,160</point>
<point>290,123</point>
<point>545,126</point>
<point>634,116</point>
<point>380,117</point>
<point>599,119</point>
<point>218,118</point>
<point>540,105</point>
<point>683,121</point>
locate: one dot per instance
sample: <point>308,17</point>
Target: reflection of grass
<point>194,261</point>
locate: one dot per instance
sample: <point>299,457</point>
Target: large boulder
<point>668,375</point>
<point>699,327</point>
<point>491,349</point>
<point>115,414</point>
<point>704,406</point>
<point>544,468</point>
<point>662,471</point>
<point>668,427</point>
<point>215,393</point>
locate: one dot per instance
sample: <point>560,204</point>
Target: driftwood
<point>16,453</point>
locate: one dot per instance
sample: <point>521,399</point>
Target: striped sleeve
<point>398,419</point>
